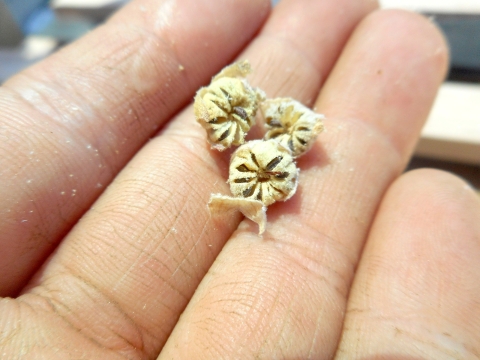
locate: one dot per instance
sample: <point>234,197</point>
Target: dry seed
<point>292,124</point>
<point>273,172</point>
<point>227,107</point>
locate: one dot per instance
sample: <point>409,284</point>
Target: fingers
<point>148,241</point>
<point>71,122</point>
<point>284,295</point>
<point>314,40</point>
<point>391,94</point>
<point>417,288</point>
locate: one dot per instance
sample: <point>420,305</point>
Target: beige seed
<point>227,107</point>
<point>263,171</point>
<point>292,124</point>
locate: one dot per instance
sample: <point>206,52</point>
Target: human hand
<point>360,263</point>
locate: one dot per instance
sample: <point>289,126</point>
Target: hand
<point>106,238</point>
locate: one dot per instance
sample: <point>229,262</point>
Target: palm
<point>121,277</point>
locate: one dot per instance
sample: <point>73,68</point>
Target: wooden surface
<point>435,6</point>
<point>452,131</point>
<point>85,3</point>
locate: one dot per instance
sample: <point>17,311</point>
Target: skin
<point>105,235</point>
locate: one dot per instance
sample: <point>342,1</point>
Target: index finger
<point>70,123</point>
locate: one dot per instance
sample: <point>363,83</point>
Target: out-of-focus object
<point>31,16</point>
<point>90,10</point>
<point>435,6</point>
<point>21,26</point>
<point>463,36</point>
<point>77,17</point>
<point>30,50</point>
<point>36,46</point>
<point>68,28</point>
<point>453,129</point>
<point>10,33</point>
<point>46,25</point>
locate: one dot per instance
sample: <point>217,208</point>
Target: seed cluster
<point>292,124</point>
<point>264,171</point>
<point>261,172</point>
<point>227,107</point>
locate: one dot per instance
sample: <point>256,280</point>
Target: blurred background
<point>32,29</point>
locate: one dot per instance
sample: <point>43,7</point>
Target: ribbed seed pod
<point>292,124</point>
<point>264,171</point>
<point>227,107</point>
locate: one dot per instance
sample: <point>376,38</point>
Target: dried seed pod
<point>227,107</point>
<point>292,124</point>
<point>264,171</point>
